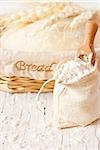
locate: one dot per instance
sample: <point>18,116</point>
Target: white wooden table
<point>22,127</point>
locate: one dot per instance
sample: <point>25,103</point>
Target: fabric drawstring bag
<point>76,94</point>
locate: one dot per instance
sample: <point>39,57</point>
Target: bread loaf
<point>49,23</point>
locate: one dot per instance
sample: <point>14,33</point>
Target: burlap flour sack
<point>77,104</point>
<point>76,95</point>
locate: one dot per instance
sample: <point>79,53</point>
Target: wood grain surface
<point>24,127</point>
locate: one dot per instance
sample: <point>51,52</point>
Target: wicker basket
<point>16,84</point>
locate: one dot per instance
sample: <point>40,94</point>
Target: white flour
<point>72,71</point>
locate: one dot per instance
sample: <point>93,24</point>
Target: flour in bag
<point>72,71</point>
<point>74,104</point>
<point>76,94</point>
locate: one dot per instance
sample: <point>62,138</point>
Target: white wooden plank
<point>22,127</point>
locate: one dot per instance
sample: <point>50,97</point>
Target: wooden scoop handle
<point>90,32</point>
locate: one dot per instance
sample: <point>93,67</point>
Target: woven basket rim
<point>16,84</point>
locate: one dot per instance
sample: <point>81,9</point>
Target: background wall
<point>89,3</point>
<point>15,5</point>
<point>8,6</point>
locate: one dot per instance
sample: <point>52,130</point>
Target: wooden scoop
<point>90,33</point>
